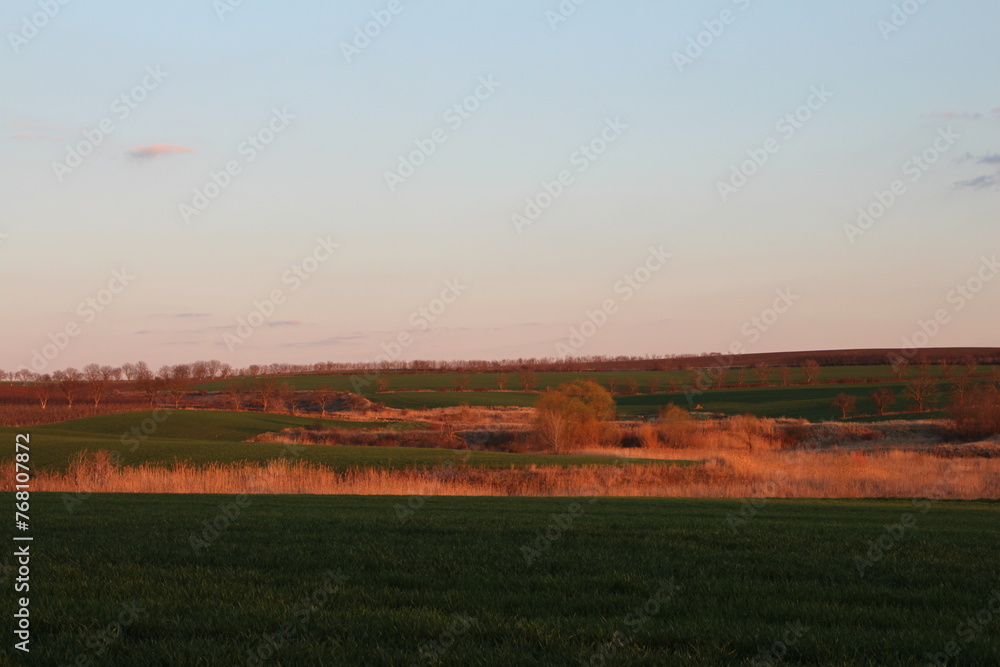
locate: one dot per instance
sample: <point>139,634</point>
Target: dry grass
<point>730,474</point>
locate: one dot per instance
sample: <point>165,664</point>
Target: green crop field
<point>488,381</point>
<point>801,401</point>
<point>140,580</point>
<point>215,437</point>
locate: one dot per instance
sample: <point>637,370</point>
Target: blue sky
<point>555,89</point>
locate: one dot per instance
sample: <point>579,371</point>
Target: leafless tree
<point>762,369</point>
<point>847,404</point>
<point>811,369</point>
<point>323,395</point>
<point>98,378</point>
<point>883,399</point>
<point>654,385</point>
<point>70,383</point>
<point>899,369</point>
<point>502,381</point>
<point>527,379</point>
<point>633,385</point>
<point>923,392</point>
<point>786,375</point>
<point>43,389</point>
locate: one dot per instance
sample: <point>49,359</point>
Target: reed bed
<point>728,474</point>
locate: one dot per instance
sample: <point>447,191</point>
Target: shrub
<point>976,413</point>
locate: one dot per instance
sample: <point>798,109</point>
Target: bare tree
<point>946,368</point>
<point>462,382</point>
<point>268,391</point>
<point>847,404</point>
<point>654,385</point>
<point>70,383</point>
<point>502,381</point>
<point>323,395</point>
<point>811,369</point>
<point>923,392</point>
<point>43,389</point>
<point>883,399</point>
<point>527,379</point>
<point>381,386</point>
<point>633,385</point>
<point>971,364</point>
<point>98,378</point>
<point>899,369</point>
<point>786,375</point>
<point>762,369</point>
<point>176,382</point>
<point>130,371</point>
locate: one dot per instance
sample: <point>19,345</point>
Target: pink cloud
<point>24,135</point>
<point>155,150</point>
<point>957,115</point>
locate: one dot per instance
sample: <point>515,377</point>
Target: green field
<point>203,437</point>
<point>800,401</point>
<point>488,381</point>
<point>452,582</point>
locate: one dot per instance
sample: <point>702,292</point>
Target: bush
<point>573,415</point>
<point>976,413</point>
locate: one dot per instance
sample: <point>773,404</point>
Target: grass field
<point>801,401</point>
<point>625,582</point>
<point>488,381</point>
<point>215,437</point>
<point>812,402</point>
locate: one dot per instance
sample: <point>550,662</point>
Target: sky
<point>305,181</point>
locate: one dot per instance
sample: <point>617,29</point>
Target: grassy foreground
<point>620,581</point>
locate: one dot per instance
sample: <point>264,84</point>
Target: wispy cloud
<point>326,341</point>
<point>957,115</point>
<point>283,323</point>
<point>987,181</point>
<point>25,135</point>
<point>156,150</point>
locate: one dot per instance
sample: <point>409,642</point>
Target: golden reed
<point>727,474</point>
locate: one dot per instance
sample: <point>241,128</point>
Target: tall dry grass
<point>733,474</point>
